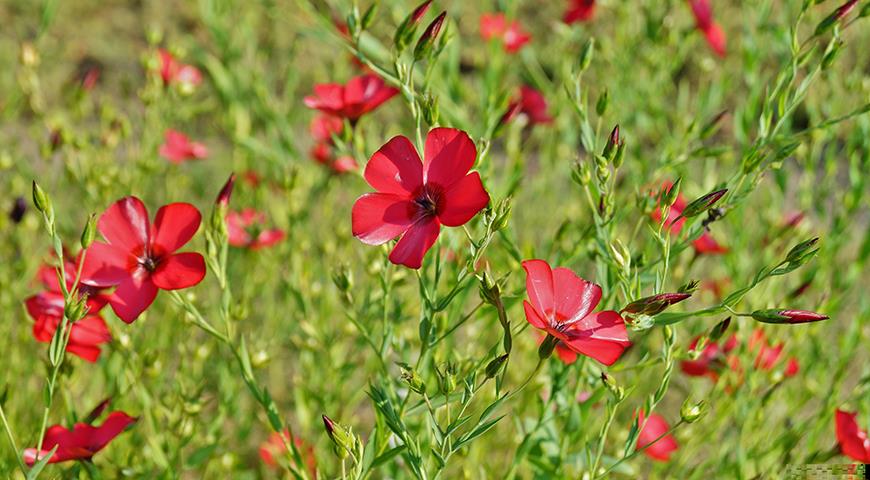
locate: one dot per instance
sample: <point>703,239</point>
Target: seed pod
<point>90,232</point>
<point>40,199</point>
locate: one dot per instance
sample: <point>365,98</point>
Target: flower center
<point>149,263</point>
<point>427,200</point>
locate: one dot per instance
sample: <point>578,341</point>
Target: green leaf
<point>387,456</point>
<point>480,430</point>
<point>37,467</point>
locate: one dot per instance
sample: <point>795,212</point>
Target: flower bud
<point>612,144</point>
<point>719,330</point>
<point>495,366</point>
<point>446,377</point>
<point>834,17</point>
<point>671,195</point>
<point>614,389</point>
<point>778,316</point>
<point>489,290</point>
<point>409,376</point>
<point>427,40</point>
<point>601,104</point>
<point>342,440</point>
<point>620,154</point>
<point>342,278</point>
<point>223,198</point>
<point>40,199</point>
<point>690,413</point>
<point>90,232</point>
<point>408,26</point>
<point>429,105</point>
<point>547,347</point>
<point>704,203</point>
<point>802,252</point>
<point>586,55</point>
<point>655,304</point>
<point>369,16</point>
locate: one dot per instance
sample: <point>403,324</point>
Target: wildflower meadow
<point>386,239</point>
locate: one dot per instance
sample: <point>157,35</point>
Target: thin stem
<point>12,442</point>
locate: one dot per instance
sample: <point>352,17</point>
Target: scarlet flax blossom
<point>713,33</point>
<point>139,257</point>
<point>512,35</point>
<point>322,129</point>
<point>361,95</point>
<point>531,103</point>
<point>86,334</point>
<point>273,448</point>
<point>245,229</point>
<point>561,303</point>
<point>173,71</point>
<point>711,360</point>
<point>853,441</point>
<point>705,244</point>
<point>82,442</point>
<point>414,198</point>
<point>177,147</point>
<point>655,427</point>
<point>579,11</point>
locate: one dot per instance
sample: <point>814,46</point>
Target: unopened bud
<point>223,198</point>
<point>704,203</point>
<point>612,144</point>
<point>342,440</point>
<point>670,196</point>
<point>778,316</point>
<point>586,55</point>
<point>369,16</point>
<point>90,232</point>
<point>446,377</point>
<point>802,252</point>
<point>720,329</point>
<point>835,17</point>
<point>601,104</point>
<point>408,26</point>
<point>547,347</point>
<point>655,304</point>
<point>489,290</point>
<point>690,413</point>
<point>409,376</point>
<point>40,199</point>
<point>495,366</point>
<point>427,40</point>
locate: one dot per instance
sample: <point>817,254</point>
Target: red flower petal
<point>463,200</point>
<point>377,218</point>
<point>178,271</point>
<point>106,265</point>
<point>125,224</point>
<point>533,317</point>
<point>539,285</point>
<point>579,11</point>
<point>853,441</point>
<point>395,168</point>
<point>133,296</point>
<point>706,244</point>
<point>328,97</point>
<point>174,226</point>
<point>415,243</point>
<point>449,156</point>
<point>655,427</point>
<point>267,238</point>
<point>364,93</point>
<point>83,441</point>
<point>573,297</point>
<point>716,38</point>
<point>601,335</point>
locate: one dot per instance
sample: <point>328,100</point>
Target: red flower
<point>494,25</point>
<point>579,11</point>
<point>710,362</point>
<point>561,304</point>
<point>86,335</point>
<point>173,71</point>
<point>361,95</point>
<point>274,447</point>
<point>47,276</point>
<point>655,427</point>
<point>565,354</point>
<point>530,102</point>
<point>413,198</point>
<point>139,258</point>
<point>705,244</point>
<point>177,147</point>
<point>324,126</point>
<point>714,34</point>
<point>82,442</point>
<point>853,441</point>
<point>244,230</point>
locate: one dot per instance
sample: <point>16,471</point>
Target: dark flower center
<point>149,262</point>
<point>429,200</point>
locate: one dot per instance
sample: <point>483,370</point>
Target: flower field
<point>509,239</point>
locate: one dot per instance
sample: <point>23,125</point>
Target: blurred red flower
<point>713,33</point>
<point>494,25</point>
<point>705,244</point>
<point>361,95</point>
<point>853,441</point>
<point>178,148</point>
<point>322,128</point>
<point>530,102</point>
<point>173,71</point>
<point>711,360</point>
<point>561,303</point>
<point>139,258</point>
<point>82,442</point>
<point>274,447</point>
<point>245,229</point>
<point>579,11</point>
<point>86,335</point>
<point>413,198</point>
<point>655,427</point>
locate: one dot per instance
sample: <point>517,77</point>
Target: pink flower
<point>561,303</point>
<point>80,443</point>
<point>494,25</point>
<point>655,427</point>
<point>245,230</point>
<point>414,198</point>
<point>579,11</point>
<point>714,34</point>
<point>173,71</point>
<point>178,148</point>
<point>139,258</point>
